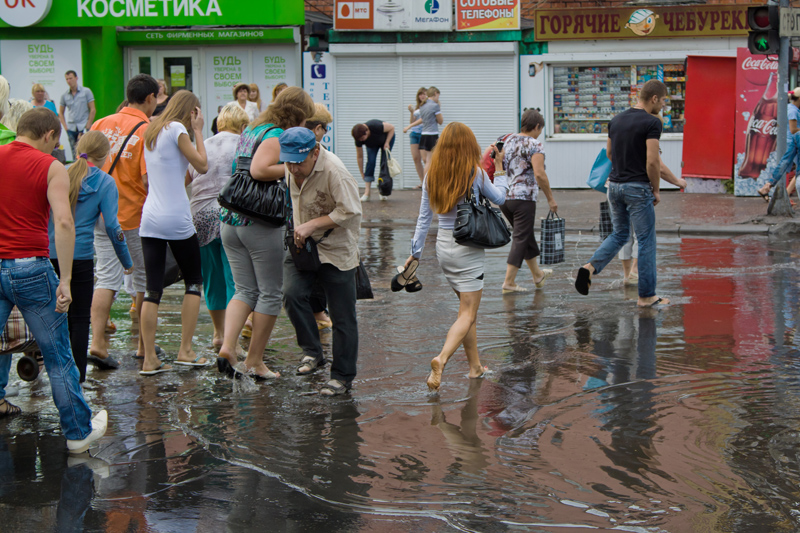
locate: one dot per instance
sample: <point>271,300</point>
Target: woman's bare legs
<point>417,157</point>
<point>262,329</point>
<point>235,316</point>
<point>463,331</point>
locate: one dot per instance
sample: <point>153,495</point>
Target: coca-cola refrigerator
<point>708,147</point>
<point>756,129</point>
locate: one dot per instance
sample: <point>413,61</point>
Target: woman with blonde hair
<point>217,277</point>
<point>277,90</point>
<point>39,98</point>
<point>255,250</point>
<point>92,193</point>
<point>415,132</point>
<point>255,96</point>
<point>162,98</point>
<point>16,108</point>
<point>455,169</point>
<point>167,221</point>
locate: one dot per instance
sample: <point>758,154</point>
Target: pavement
<point>677,213</point>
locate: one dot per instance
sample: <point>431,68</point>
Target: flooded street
<point>595,414</point>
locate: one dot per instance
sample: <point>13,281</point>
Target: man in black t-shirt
<point>375,135</point>
<point>633,190</point>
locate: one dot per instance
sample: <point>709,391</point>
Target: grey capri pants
<point>255,253</point>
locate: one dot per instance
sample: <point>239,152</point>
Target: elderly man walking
<point>326,209</point>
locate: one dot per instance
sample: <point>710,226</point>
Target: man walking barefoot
<point>633,190</point>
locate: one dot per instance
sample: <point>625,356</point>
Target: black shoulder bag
<point>306,259</point>
<point>122,147</point>
<point>264,201</point>
<point>478,224</point>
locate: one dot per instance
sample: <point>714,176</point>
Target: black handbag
<point>306,259</point>
<point>363,286</point>
<point>479,225</point>
<point>265,201</point>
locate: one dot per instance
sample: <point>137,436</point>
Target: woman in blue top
<point>792,154</point>
<point>40,98</point>
<point>254,249</point>
<point>455,166</point>
<point>415,132</point>
<point>92,193</point>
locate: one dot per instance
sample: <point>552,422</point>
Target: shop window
<point>585,99</point>
<point>145,66</point>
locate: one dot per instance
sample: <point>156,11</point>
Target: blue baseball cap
<point>297,144</point>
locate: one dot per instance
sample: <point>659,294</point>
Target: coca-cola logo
<point>765,127</point>
<point>750,63</point>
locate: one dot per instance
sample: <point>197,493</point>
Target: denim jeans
<point>31,286</point>
<point>790,156</point>
<point>72,136</point>
<point>631,202</point>
<point>372,158</point>
<point>340,290</point>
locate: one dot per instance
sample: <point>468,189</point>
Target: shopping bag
<point>363,286</point>
<point>385,181</point>
<point>393,165</point>
<point>554,231</point>
<point>606,226</point>
<point>600,171</point>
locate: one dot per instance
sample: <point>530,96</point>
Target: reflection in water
<point>596,415</point>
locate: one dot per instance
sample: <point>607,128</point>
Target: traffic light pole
<point>780,205</point>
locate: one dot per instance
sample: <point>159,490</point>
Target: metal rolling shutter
<point>479,90</point>
<point>366,88</point>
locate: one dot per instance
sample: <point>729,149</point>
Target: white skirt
<point>462,265</point>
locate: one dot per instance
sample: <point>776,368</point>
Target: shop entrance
<point>179,68</point>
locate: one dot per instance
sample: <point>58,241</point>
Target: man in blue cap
<point>326,208</point>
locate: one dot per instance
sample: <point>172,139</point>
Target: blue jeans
<point>631,202</point>
<point>372,158</point>
<point>31,286</point>
<point>73,142</point>
<point>789,157</point>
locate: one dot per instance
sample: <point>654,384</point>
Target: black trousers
<point>80,310</point>
<point>187,255</point>
<point>522,216</point>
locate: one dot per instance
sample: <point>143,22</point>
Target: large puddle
<point>595,415</point>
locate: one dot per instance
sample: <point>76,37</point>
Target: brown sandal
<point>10,409</point>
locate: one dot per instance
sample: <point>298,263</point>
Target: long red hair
<point>454,165</point>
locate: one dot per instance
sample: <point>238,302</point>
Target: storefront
<point>597,60</point>
<point>205,46</point>
<point>383,56</point>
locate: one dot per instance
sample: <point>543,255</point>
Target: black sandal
<point>10,409</point>
<point>224,367</point>
<point>312,363</point>
<point>414,285</point>
<point>334,387</point>
<point>583,281</point>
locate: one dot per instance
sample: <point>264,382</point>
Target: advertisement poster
<point>318,82</point>
<point>482,15</point>
<point>633,23</point>
<point>273,65</point>
<point>394,15</point>
<point>227,67</point>
<point>756,128</point>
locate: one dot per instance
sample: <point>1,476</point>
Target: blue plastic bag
<point>600,171</point>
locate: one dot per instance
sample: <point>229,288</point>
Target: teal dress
<point>245,147</point>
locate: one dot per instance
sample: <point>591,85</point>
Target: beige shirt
<point>330,190</point>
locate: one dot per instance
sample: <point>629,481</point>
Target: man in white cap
<point>326,208</point>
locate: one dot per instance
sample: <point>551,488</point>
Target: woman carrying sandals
<point>454,168</point>
<point>167,221</point>
<point>255,249</point>
<point>524,161</point>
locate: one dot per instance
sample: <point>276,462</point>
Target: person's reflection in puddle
<point>464,443</point>
<point>77,491</point>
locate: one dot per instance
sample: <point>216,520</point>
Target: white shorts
<point>631,248</point>
<point>108,269</point>
<point>462,266</point>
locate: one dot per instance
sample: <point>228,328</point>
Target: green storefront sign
<point>93,13</point>
<point>105,27</point>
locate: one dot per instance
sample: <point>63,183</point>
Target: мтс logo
<point>432,6</point>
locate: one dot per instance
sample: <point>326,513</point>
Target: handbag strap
<point>122,147</point>
<point>552,215</point>
<point>471,191</point>
<point>261,138</point>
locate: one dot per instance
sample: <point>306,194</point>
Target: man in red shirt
<point>31,184</point>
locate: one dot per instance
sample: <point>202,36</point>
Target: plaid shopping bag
<point>606,226</point>
<point>16,337</point>
<point>554,231</point>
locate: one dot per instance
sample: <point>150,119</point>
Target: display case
<point>586,98</point>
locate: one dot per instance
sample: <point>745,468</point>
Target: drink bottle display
<point>761,131</point>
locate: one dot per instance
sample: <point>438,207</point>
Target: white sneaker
<point>99,426</point>
<point>365,198</point>
<point>384,198</point>
<point>95,464</point>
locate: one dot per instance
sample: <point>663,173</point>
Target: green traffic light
<point>762,43</point>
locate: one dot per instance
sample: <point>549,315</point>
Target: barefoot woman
<point>454,168</point>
